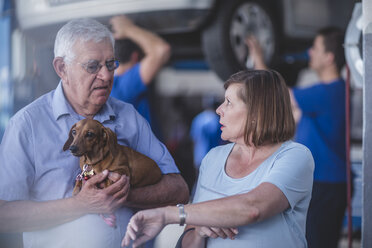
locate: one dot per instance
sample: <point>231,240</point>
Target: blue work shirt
<point>34,166</point>
<point>129,87</point>
<point>205,132</point>
<point>322,128</point>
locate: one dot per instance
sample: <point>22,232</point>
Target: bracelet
<point>182,214</point>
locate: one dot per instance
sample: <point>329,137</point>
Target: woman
<point>254,190</point>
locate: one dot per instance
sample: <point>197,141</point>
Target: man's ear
<point>60,67</point>
<point>330,57</point>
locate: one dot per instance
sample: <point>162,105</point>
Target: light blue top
<point>35,167</point>
<point>290,169</point>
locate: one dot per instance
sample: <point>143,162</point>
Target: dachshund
<point>98,150</point>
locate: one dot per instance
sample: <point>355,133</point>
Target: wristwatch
<point>182,214</point>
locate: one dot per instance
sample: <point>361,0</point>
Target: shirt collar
<point>62,107</point>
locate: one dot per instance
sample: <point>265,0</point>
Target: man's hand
<point>105,200</point>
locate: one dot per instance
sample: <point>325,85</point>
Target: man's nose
<point>105,74</point>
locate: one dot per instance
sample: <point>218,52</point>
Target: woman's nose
<point>219,110</point>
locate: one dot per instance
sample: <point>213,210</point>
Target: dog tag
<point>88,172</point>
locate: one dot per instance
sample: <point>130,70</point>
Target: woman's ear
<point>60,67</point>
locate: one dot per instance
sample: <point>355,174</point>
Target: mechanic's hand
<point>120,26</point>
<point>256,53</point>
<point>217,232</point>
<point>106,200</point>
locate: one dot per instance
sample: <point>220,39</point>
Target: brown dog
<point>98,150</point>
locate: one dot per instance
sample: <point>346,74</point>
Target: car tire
<point>223,40</point>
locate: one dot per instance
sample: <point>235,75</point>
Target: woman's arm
<point>264,201</point>
<point>261,203</point>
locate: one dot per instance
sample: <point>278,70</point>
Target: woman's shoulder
<point>294,151</point>
<point>226,148</point>
<point>290,144</point>
<point>218,153</point>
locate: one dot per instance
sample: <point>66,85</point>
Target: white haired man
<point>37,177</point>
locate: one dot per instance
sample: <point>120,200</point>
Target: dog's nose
<point>73,149</point>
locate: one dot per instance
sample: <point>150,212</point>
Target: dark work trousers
<point>325,215</point>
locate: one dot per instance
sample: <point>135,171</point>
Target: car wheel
<point>223,40</point>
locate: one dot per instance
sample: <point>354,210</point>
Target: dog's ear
<point>69,140</point>
<point>111,140</point>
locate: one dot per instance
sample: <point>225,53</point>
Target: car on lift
<point>213,30</point>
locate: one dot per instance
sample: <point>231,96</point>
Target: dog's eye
<point>73,132</point>
<point>90,134</point>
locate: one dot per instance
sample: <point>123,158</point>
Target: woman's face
<point>233,114</point>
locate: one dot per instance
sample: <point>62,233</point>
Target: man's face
<point>84,90</point>
<point>317,54</point>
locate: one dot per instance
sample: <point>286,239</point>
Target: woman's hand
<point>217,232</point>
<point>144,226</point>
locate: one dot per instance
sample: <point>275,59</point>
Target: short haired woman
<point>254,191</point>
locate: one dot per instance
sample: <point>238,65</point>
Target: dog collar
<point>87,173</point>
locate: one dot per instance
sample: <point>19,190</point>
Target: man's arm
<point>171,189</point>
<point>21,216</point>
<point>157,51</point>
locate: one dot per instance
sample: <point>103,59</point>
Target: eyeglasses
<point>93,66</point>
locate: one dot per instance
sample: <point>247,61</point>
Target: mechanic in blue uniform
<point>205,129</point>
<point>141,54</point>
<point>319,111</point>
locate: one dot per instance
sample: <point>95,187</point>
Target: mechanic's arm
<point>21,216</point>
<point>171,190</point>
<point>296,111</point>
<point>157,51</point>
<point>255,51</point>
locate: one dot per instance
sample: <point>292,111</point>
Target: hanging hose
<point>348,164</point>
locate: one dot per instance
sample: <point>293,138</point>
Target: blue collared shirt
<point>35,167</point>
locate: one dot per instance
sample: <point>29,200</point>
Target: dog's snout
<point>74,149</point>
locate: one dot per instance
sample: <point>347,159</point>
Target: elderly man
<point>37,176</point>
